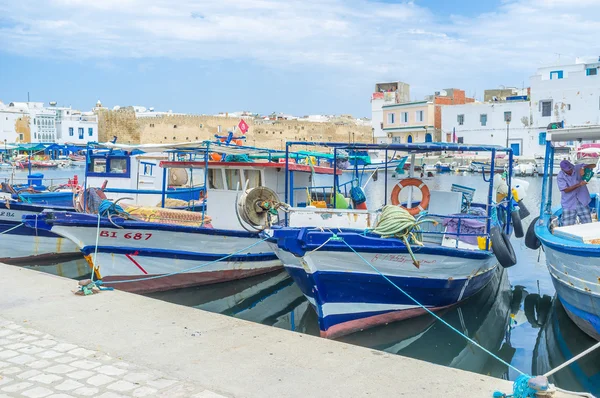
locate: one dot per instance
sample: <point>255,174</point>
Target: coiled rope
<point>397,222</point>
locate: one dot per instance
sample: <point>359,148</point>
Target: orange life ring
<point>411,182</point>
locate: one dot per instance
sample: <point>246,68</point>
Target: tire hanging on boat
<point>411,182</point>
<point>531,240</point>
<point>502,247</point>
<point>523,211</point>
<point>517,224</point>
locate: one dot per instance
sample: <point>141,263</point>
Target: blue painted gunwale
<point>300,240</point>
<point>563,245</point>
<point>179,254</point>
<point>91,220</point>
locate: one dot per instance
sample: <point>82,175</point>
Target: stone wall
<point>262,133</point>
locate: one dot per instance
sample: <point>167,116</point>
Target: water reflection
<point>272,299</point>
<point>485,318</point>
<point>559,340</point>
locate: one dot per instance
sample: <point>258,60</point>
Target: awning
<point>590,133</point>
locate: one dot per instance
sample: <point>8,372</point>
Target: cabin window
<point>148,169</point>
<point>215,179</point>
<point>99,165</point>
<point>253,178</point>
<point>118,166</point>
<point>232,177</point>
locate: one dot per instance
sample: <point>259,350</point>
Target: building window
<point>151,124</point>
<point>90,131</point>
<point>460,119</point>
<point>557,74</point>
<point>507,116</point>
<point>80,131</point>
<point>483,119</point>
<point>591,71</point>
<point>568,107</point>
<point>71,131</point>
<point>461,140</point>
<point>419,115</point>
<point>201,125</point>
<point>219,128</point>
<point>174,126</point>
<point>409,139</point>
<point>546,108</point>
<point>542,138</point>
<point>428,137</point>
<point>391,117</point>
<point>404,117</point>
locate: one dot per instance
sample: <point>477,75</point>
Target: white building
<point>561,93</point>
<point>566,93</point>
<point>31,122</point>
<point>486,123</point>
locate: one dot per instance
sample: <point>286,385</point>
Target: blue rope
<point>107,207</point>
<point>189,269</point>
<point>521,389</point>
<point>428,310</point>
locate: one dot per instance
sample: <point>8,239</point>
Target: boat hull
<point>161,257</point>
<point>22,244</point>
<point>349,296</point>
<point>572,274</point>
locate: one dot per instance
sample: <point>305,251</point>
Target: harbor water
<point>516,316</point>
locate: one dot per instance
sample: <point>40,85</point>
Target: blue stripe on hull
<point>345,287</point>
<point>180,255</point>
<point>583,308</point>
<point>25,231</point>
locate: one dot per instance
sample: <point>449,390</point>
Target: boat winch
<point>257,207</point>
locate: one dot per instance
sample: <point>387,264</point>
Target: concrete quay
<point>114,344</point>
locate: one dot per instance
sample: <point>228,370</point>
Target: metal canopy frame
<point>410,148</point>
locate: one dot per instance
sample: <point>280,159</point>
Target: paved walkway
<point>36,365</point>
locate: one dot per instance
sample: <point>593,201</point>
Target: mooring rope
<point>521,386</point>
<point>8,230</point>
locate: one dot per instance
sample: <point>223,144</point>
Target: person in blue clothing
<point>575,197</point>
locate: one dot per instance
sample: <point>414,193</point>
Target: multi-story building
<point>31,122</point>
<point>503,123</point>
<point>565,93</point>
<point>409,122</point>
<point>386,94</point>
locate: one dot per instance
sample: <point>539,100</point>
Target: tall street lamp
<point>507,119</point>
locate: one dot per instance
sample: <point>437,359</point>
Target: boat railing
<point>326,190</point>
<point>439,231</point>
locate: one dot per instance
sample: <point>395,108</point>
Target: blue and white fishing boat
<point>346,269</point>
<point>153,248</point>
<point>572,252</point>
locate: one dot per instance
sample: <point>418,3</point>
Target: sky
<point>297,57</point>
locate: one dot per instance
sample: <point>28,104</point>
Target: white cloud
<point>368,40</point>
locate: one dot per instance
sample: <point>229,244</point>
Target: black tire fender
<point>523,211</point>
<point>502,248</point>
<point>531,240</point>
<point>516,223</point>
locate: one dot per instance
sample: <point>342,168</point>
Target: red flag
<point>243,126</point>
